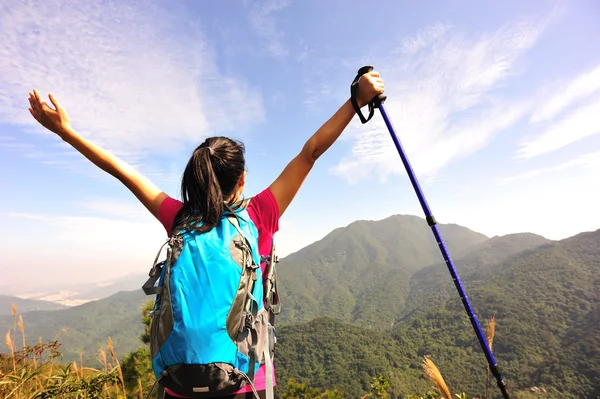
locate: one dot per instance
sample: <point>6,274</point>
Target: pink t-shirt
<point>264,212</point>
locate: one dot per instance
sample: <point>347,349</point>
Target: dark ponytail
<point>210,178</point>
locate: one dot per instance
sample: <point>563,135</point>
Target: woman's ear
<point>242,182</point>
<point>240,186</point>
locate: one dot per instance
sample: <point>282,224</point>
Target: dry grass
<point>491,330</point>
<point>435,377</point>
<point>30,372</point>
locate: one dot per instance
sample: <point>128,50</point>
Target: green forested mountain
<point>327,353</point>
<point>361,274</point>
<point>547,307</point>
<point>375,297</point>
<point>475,265</point>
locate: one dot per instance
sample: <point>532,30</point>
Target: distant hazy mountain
<point>25,305</point>
<point>85,328</point>
<point>77,294</point>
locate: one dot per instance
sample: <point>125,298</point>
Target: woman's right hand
<point>55,120</point>
<point>370,85</point>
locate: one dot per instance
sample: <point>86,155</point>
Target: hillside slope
<point>475,265</point>
<point>361,273</point>
<point>85,328</point>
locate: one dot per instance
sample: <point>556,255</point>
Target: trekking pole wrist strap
<point>375,102</point>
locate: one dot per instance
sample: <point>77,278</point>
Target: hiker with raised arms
<point>211,333</point>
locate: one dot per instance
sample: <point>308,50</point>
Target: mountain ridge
<point>25,304</point>
<point>544,295</point>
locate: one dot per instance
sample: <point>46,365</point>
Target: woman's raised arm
<point>57,121</point>
<point>287,184</point>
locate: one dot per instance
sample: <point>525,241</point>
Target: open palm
<point>55,120</point>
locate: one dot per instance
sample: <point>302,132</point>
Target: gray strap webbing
<point>253,355</point>
<point>269,370</point>
<point>148,287</point>
<point>160,393</point>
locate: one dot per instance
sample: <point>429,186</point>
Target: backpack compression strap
<point>233,219</point>
<point>271,295</point>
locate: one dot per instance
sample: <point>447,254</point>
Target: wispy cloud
<point>132,77</point>
<point>579,124</point>
<point>424,38</point>
<point>263,21</point>
<point>581,87</point>
<point>589,161</point>
<point>570,115</point>
<point>443,91</point>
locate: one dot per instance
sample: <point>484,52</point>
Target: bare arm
<point>58,122</point>
<point>287,184</point>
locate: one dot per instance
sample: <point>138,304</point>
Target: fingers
<point>377,81</point>
<point>37,96</point>
<point>38,105</point>
<point>55,102</point>
<point>34,99</point>
<point>34,103</point>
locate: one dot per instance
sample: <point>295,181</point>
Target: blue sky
<point>496,103</point>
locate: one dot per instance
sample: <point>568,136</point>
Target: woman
<point>215,174</point>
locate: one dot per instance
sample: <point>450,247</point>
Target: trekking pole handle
<point>375,102</point>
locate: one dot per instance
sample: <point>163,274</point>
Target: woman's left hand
<point>55,120</point>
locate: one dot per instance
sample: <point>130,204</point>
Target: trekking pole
<point>378,103</point>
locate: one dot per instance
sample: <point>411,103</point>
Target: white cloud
<point>575,126</point>
<point>581,87</point>
<point>264,24</point>
<point>586,161</point>
<point>132,77</point>
<point>442,99</point>
<point>424,38</point>
<point>571,114</point>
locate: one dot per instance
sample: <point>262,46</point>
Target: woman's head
<point>214,175</point>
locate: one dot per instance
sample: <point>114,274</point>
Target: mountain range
<point>72,294</point>
<point>376,296</point>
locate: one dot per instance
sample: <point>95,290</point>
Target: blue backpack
<point>210,329</point>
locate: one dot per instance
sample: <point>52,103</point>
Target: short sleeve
<point>264,211</point>
<point>167,212</point>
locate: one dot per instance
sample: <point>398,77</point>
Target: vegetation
<point>367,312</point>
<point>82,329</point>
<point>29,371</point>
<point>361,274</point>
<point>32,372</point>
